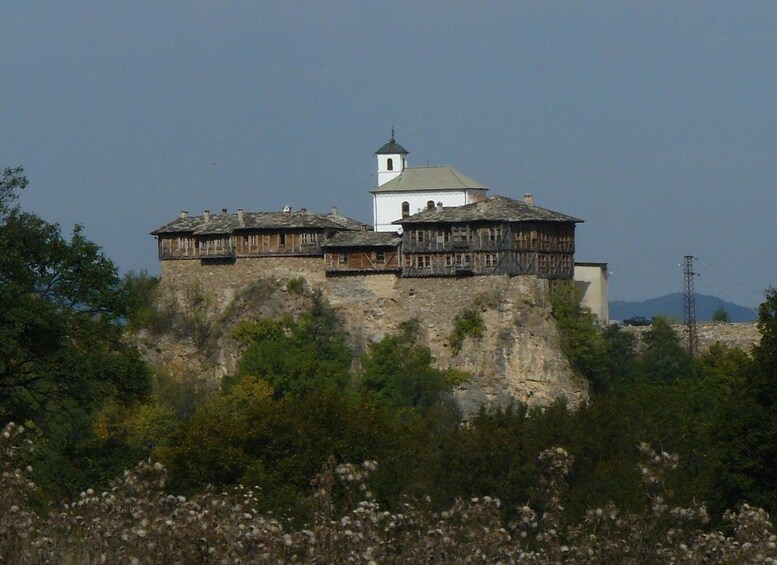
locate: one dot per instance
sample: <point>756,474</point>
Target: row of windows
<point>463,234</point>
<point>425,262</point>
<point>378,257</point>
<point>406,207</point>
<point>546,263</point>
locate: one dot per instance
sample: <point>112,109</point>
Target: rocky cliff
<point>517,357</point>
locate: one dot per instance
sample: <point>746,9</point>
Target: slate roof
<point>364,239</point>
<point>228,223</point>
<point>392,147</point>
<point>494,209</point>
<point>423,179</point>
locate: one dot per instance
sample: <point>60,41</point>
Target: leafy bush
<point>296,357</point>
<point>398,372</point>
<point>581,339</point>
<point>296,285</point>
<point>468,323</point>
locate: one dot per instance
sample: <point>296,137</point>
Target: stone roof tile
<point>228,223</point>
<point>494,209</point>
<point>363,239</point>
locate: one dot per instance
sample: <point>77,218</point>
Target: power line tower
<point>689,308</point>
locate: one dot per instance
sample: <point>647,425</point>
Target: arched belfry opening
<point>391,160</point>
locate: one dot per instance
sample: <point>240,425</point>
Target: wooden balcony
<point>220,252</point>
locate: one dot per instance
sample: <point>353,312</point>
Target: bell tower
<point>391,160</point>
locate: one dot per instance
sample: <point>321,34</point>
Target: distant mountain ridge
<point>671,305</point>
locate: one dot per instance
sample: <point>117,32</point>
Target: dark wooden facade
<point>362,252</point>
<point>260,234</point>
<point>241,244</point>
<point>495,236</point>
<point>544,249</point>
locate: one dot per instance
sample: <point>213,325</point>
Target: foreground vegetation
<point>536,485</point>
<point>135,521</point>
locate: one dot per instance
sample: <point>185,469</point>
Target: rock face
<point>517,358</point>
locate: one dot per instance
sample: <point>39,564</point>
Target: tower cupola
<point>391,160</point>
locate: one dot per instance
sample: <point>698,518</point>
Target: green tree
<point>11,182</point>
<point>621,354</point>
<point>664,359</point>
<point>721,315</point>
<point>399,372</point>
<point>141,294</point>
<point>247,436</point>
<point>581,340</point>
<point>61,349</point>
<point>297,357</point>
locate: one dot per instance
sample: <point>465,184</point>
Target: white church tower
<point>391,160</point>
<point>403,191</point>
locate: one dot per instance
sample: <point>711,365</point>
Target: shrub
<point>296,285</point>
<point>468,323</point>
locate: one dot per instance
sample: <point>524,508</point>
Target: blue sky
<point>653,121</point>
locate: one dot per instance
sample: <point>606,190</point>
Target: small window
<point>430,205</point>
<point>460,233</point>
<point>390,164</point>
<point>343,258</point>
<point>417,236</point>
<point>462,260</point>
<point>308,238</point>
<point>380,257</point>
<point>449,260</point>
<point>282,239</point>
<point>405,209</point>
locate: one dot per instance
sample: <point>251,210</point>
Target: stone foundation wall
<point>221,282</point>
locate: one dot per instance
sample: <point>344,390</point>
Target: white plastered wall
<point>592,282</point>
<point>387,206</point>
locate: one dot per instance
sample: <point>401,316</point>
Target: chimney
<point>334,210</point>
<point>303,210</point>
<point>439,206</point>
<point>528,199</point>
<point>287,208</point>
<point>206,215</point>
<point>184,214</point>
<point>240,215</point>
<point>223,210</point>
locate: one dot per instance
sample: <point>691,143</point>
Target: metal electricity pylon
<point>689,308</point>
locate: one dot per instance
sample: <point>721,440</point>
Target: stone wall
<point>743,335</point>
<point>221,282</point>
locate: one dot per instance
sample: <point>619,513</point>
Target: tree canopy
<point>61,308</point>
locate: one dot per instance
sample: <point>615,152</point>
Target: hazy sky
<point>656,122</point>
